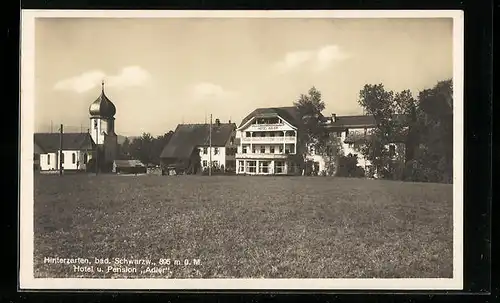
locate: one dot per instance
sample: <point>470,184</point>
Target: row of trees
<point>422,126</point>
<point>145,148</point>
<point>425,129</point>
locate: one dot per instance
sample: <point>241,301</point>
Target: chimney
<point>217,122</point>
<point>334,118</point>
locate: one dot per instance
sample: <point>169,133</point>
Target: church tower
<point>102,127</point>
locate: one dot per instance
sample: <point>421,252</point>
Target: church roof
<point>189,136</point>
<point>102,106</point>
<point>49,142</point>
<point>289,113</point>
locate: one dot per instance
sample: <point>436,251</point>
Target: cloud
<point>206,91</point>
<point>318,59</point>
<point>128,76</point>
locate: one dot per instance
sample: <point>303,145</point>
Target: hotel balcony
<point>268,139</point>
<point>262,156</point>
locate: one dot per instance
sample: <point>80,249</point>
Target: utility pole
<point>61,150</point>
<point>210,147</point>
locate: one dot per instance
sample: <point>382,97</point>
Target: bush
<point>348,167</point>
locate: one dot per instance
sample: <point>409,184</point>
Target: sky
<point>166,71</point>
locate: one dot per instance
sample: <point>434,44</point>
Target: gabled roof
<point>188,136</point>
<point>50,142</point>
<point>289,113</point>
<point>358,121</point>
<point>128,163</point>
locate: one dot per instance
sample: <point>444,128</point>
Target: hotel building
<point>267,142</point>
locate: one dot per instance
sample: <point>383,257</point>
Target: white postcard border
<point>26,275</point>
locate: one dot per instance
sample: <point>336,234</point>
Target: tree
<point>141,148</point>
<point>433,159</point>
<point>395,119</point>
<point>348,167</point>
<point>331,151</point>
<point>124,150</point>
<point>311,130</point>
<point>147,148</point>
<point>424,125</point>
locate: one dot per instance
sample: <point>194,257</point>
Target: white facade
<point>265,146</point>
<point>72,160</point>
<point>221,155</point>
<point>103,134</point>
<point>345,149</point>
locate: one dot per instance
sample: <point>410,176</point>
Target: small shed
<point>129,167</point>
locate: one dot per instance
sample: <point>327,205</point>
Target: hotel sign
<point>268,128</point>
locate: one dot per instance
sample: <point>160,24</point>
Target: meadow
<point>242,227</point>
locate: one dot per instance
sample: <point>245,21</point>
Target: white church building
<point>75,150</point>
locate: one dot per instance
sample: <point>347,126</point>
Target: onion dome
<point>102,106</point>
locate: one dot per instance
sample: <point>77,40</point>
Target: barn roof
<point>289,113</point>
<point>50,142</point>
<point>188,136</point>
<point>128,163</point>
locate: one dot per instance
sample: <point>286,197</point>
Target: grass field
<point>244,227</point>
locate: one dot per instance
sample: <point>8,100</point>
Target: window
<point>248,134</point>
<point>48,159</point>
<point>339,134</point>
<point>62,157</point>
<point>241,166</point>
<point>216,163</point>
<point>262,149</point>
<point>264,167</point>
<point>281,149</point>
<point>253,150</point>
<point>73,158</point>
<point>244,149</point>
<point>262,134</point>
<point>251,166</point>
<point>272,134</point>
<point>205,151</point>
<point>216,151</point>
<point>204,163</point>
<point>279,167</point>
<point>271,149</point>
<point>392,150</point>
<point>85,158</point>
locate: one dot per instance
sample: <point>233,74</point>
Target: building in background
<point>190,150</point>
<point>129,167</point>
<point>99,143</point>
<point>267,142</point>
<point>77,150</point>
<point>102,129</point>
